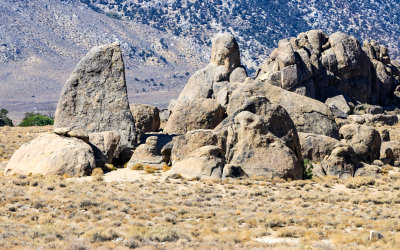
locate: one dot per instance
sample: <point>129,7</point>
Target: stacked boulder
<point>207,90</point>
<point>226,133</point>
<point>310,100</point>
<point>299,106</point>
<point>320,66</point>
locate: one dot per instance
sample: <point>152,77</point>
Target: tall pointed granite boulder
<point>95,99</point>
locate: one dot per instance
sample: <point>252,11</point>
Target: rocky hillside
<point>259,25</point>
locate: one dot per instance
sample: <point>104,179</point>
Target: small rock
<point>375,110</point>
<point>378,163</point>
<point>357,119</point>
<point>339,103</point>
<point>80,134</point>
<point>62,131</point>
<point>375,235</point>
<point>385,135</point>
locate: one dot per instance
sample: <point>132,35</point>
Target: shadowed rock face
<point>95,99</point>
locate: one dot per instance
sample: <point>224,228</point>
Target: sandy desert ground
<point>129,209</point>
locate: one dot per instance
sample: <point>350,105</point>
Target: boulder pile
<point>324,100</point>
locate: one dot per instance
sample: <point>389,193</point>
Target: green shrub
<point>36,119</point>
<point>4,120</point>
<point>308,168</point>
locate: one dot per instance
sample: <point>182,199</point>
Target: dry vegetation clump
<point>12,138</point>
<point>57,212</point>
<point>137,166</point>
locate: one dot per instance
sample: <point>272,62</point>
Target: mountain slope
<point>164,41</point>
<point>259,25</point>
<point>42,41</point>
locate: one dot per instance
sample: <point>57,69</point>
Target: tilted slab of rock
<point>51,154</point>
<point>206,162</point>
<point>183,145</point>
<point>308,115</point>
<point>94,98</point>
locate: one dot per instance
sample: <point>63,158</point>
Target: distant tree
<point>4,120</point>
<point>36,119</point>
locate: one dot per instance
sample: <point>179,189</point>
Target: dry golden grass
<point>11,138</point>
<point>66,213</point>
<point>137,166</point>
<point>57,212</point>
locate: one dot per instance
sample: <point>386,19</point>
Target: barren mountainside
<point>163,41</point>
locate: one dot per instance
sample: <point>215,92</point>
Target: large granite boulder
<point>338,105</point>
<point>225,52</point>
<point>195,114</point>
<point>94,98</point>
<point>206,162</point>
<point>394,146</point>
<point>316,147</point>
<point>184,145</point>
<point>308,115</point>
<point>274,117</point>
<point>365,140</point>
<point>342,162</point>
<point>146,117</point>
<point>51,154</point>
<point>257,151</point>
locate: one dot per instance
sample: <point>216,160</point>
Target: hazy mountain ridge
<point>259,25</point>
<point>42,41</point>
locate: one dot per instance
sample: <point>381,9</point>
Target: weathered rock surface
<point>368,170</point>
<point>104,145</point>
<point>196,114</point>
<point>308,115</point>
<point>365,140</point>
<point>387,156</point>
<point>225,52</point>
<point>146,117</point>
<point>183,145</point>
<point>205,162</point>
<point>338,103</point>
<point>394,146</point>
<point>208,82</point>
<point>316,147</point>
<point>274,117</point>
<point>147,154</point>
<point>342,162</point>
<point>94,98</point>
<point>257,151</point>
<point>321,66</point>
<point>51,154</point>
